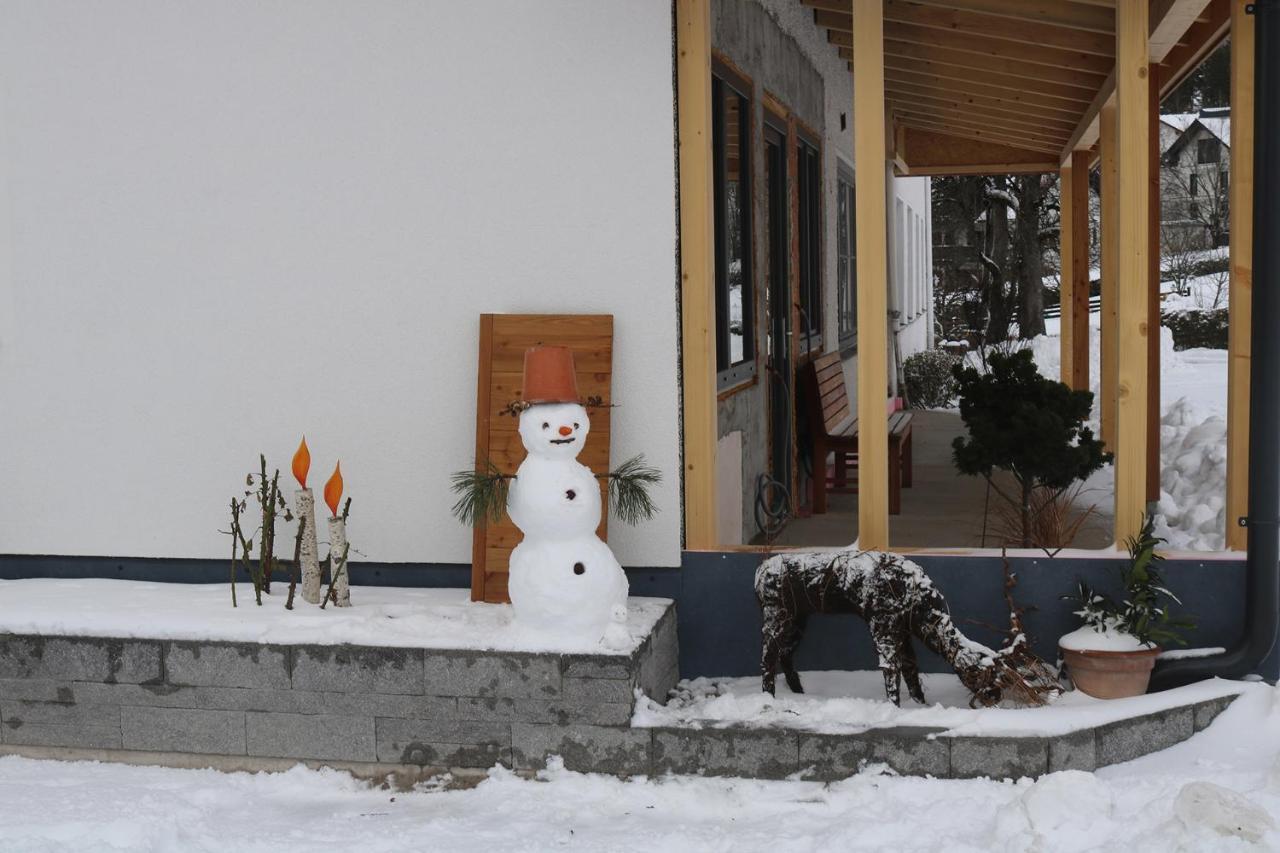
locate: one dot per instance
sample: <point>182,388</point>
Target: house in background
<point>1195,178</point>
<point>786,282</point>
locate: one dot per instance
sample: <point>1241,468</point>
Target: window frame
<point>847,241</point>
<point>732,375</point>
<point>809,222</point>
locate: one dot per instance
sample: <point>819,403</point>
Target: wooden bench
<point>834,430</point>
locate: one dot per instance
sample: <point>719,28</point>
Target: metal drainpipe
<point>1262,566</point>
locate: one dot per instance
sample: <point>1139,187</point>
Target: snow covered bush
<point>1194,328</point>
<point>1192,511</point>
<point>930,381</point>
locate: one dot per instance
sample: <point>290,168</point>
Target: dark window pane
<point>731,135</point>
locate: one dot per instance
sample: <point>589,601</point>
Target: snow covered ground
<point>1191,797</point>
<point>850,702</point>
<point>380,616</point>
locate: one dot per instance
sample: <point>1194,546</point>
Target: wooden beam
<point>1240,295</point>
<point>1049,12</point>
<point>903,72</point>
<point>980,43</point>
<point>1013,29</point>
<point>873,274</point>
<point>927,152</point>
<point>1152,466</point>
<point>944,122</point>
<point>1016,72</point>
<point>1108,239</point>
<point>1170,20</point>
<point>1074,279</point>
<point>904,95</point>
<point>697,271</point>
<point>969,74</point>
<point>1133,80</point>
<point>1200,39</point>
<point>1031,128</point>
<point>1042,150</point>
<point>959,96</point>
<point>1166,17</point>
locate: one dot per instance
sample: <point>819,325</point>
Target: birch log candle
<point>304,500</point>
<point>339,572</point>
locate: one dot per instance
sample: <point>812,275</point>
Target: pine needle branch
<point>629,490</point>
<point>482,494</point>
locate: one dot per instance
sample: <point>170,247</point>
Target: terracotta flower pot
<point>549,376</point>
<point>1111,675</point>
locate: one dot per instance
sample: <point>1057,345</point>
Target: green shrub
<point>929,378</point>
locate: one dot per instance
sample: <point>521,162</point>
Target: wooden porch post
<point>1153,289</point>
<point>873,279</point>
<point>1240,294</point>
<point>1066,279</point>
<point>1108,239</point>
<point>1134,164</point>
<point>1074,252</point>
<point>697,271</point>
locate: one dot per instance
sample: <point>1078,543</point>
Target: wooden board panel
<point>503,341</point>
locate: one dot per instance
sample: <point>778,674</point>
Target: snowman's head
<point>554,430</point>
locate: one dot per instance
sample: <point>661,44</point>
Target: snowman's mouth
<point>569,440</point>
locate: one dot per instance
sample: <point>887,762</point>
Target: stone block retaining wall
<point>390,706</point>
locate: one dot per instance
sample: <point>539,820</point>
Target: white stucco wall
<point>223,225</point>
<point>912,240</point>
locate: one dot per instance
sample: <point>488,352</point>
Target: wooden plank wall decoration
<point>503,341</point>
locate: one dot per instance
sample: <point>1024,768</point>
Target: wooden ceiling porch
<point>1008,86</point>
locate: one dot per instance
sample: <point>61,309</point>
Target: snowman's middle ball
<point>553,495</point>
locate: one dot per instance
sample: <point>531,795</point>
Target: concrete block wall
<point>386,706</point>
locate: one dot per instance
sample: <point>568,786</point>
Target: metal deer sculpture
<point>899,602</point>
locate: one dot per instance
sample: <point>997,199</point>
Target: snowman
<point>563,578</point>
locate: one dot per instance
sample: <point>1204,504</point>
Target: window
<point>1194,188</point>
<point>731,141</point>
<point>809,179</point>
<point>846,263</point>
<point>1208,150</point>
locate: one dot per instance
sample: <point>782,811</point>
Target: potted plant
<point>1112,654</point>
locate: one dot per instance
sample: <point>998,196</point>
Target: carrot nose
<point>564,430</point>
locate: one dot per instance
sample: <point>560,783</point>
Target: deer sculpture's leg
<point>884,635</point>
<point>776,622</point>
<point>789,644</point>
<point>910,668</point>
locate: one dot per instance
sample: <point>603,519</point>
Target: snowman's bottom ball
<point>566,586</point>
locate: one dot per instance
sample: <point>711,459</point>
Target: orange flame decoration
<point>333,490</point>
<point>302,463</point>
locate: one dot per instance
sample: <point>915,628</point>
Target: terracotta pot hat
<point>549,376</point>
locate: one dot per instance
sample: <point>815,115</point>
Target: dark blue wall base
<point>720,620</point>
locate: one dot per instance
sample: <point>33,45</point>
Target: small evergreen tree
<point>1030,426</point>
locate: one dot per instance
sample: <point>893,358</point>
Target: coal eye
<point>546,425</point>
<point>575,424</point>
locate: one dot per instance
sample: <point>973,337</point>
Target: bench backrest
<point>827,400</point>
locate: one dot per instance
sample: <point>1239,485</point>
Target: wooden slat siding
<point>1240,294</point>
<point>503,341</point>
<point>1133,165</point>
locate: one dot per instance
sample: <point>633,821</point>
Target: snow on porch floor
<point>852,702</point>
<point>381,616</point>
